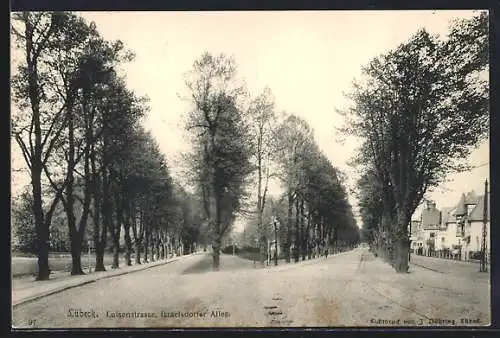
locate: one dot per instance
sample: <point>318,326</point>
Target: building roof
<point>451,218</point>
<point>477,214</point>
<point>471,198</point>
<point>461,209</point>
<point>446,214</point>
<point>465,200</point>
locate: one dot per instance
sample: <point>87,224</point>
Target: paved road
<point>349,289</point>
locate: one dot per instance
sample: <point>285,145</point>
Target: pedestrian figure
<point>326,253</point>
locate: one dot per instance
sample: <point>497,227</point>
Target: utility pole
<point>483,267</point>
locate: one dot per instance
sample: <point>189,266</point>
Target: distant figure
<point>326,252</point>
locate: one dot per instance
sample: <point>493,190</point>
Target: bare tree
<point>263,132</point>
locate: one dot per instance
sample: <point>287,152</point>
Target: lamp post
<point>409,241</point>
<point>483,267</point>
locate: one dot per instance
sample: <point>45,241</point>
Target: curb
<point>64,288</point>
<point>426,267</point>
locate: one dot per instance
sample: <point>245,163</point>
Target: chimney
<point>431,205</point>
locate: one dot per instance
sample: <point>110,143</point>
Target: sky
<point>307,58</point>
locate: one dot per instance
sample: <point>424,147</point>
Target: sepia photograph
<point>250,169</point>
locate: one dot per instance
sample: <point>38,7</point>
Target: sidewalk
<point>25,289</point>
<point>452,267</point>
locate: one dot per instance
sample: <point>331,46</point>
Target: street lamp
<point>483,267</point>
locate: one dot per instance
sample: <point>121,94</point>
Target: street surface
<point>348,289</point>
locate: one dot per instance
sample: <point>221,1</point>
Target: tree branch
<point>27,156</point>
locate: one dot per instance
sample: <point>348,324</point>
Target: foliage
<point>23,224</point>
<point>78,127</point>
<point>420,110</point>
<point>221,157</point>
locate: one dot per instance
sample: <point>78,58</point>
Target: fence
<point>448,255</point>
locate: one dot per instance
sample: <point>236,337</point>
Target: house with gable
<point>430,224</point>
<point>470,213</point>
<point>453,232</point>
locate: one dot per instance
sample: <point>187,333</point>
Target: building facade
<point>430,227</point>
<point>453,232</point>
<point>473,218</point>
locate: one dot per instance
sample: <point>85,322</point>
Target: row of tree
<point>419,109</point>
<point>78,127</point>
<point>238,141</point>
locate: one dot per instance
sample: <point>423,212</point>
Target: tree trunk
<point>128,243</point>
<point>137,234</point>
<point>164,245</point>
<point>76,254</point>
<point>69,202</point>
<point>289,227</point>
<point>401,243</point>
<point>303,242</point>
<point>168,246</point>
<point>146,246</point>
<point>117,225</point>
<point>296,252</point>
<point>152,240</point>
<point>99,260</point>
<point>137,248</point>
<point>216,246</point>
<point>100,247</point>
<point>275,244</point>
<point>42,229</point>
<point>116,249</point>
<point>216,253</point>
<point>263,248</point>
<point>106,213</point>
<point>157,244</point>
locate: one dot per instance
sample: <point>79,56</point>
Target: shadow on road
<point>227,263</point>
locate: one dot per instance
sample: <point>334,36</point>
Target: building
<point>430,226</point>
<point>453,232</point>
<point>470,216</point>
<point>449,237</point>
